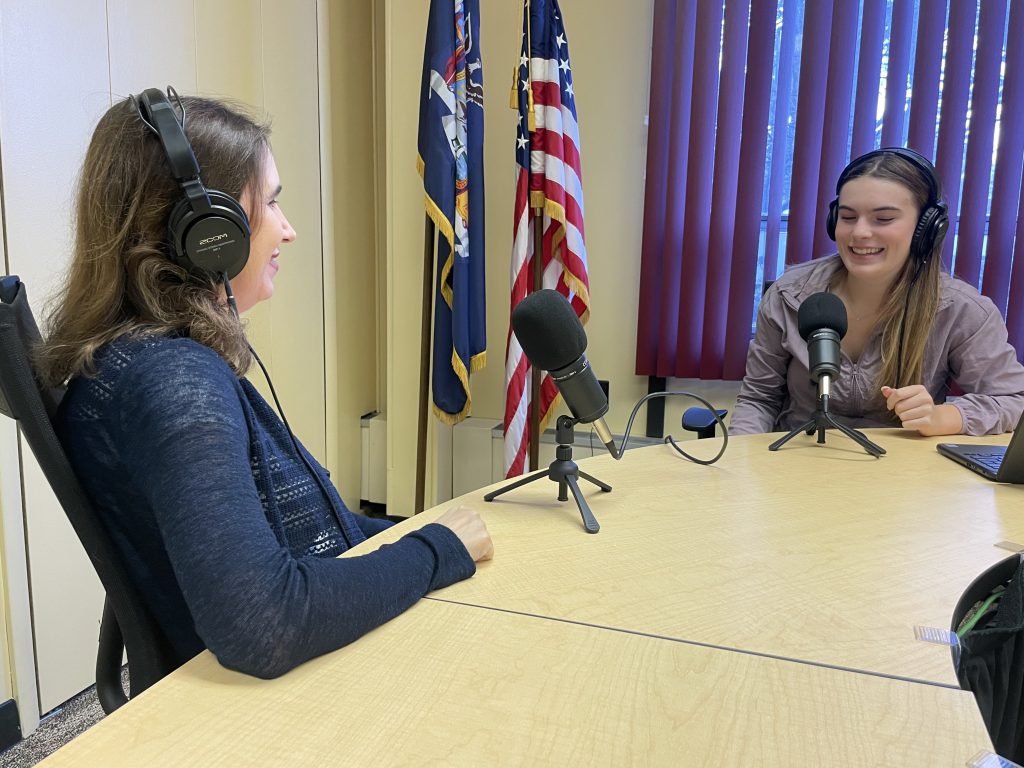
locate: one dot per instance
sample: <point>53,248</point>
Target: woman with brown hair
<point>228,526</point>
<point>913,330</point>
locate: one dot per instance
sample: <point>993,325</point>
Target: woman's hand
<point>917,410</point>
<point>467,525</point>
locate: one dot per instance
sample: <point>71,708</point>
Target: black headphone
<point>208,230</point>
<point>934,219</point>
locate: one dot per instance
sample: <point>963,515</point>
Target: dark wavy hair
<point>121,279</point>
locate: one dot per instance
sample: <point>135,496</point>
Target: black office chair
<point>702,421</point>
<point>126,625</point>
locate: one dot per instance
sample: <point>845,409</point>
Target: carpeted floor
<point>56,729</point>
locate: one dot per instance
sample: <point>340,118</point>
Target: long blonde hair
<point>121,280</point>
<point>916,288</point>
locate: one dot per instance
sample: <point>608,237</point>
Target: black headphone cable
<point>284,420</point>
<point>231,297</point>
<point>302,456</point>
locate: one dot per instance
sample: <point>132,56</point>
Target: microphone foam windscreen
<point>821,310</point>
<point>548,330</point>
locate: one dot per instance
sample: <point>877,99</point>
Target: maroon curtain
<point>697,248</point>
<point>714,147</point>
<point>752,141</point>
<point>1006,238</point>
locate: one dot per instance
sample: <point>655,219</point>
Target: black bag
<point>991,662</point>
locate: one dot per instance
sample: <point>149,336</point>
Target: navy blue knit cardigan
<point>224,529</point>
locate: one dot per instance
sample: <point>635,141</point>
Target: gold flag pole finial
<point>531,122</point>
<point>513,96</point>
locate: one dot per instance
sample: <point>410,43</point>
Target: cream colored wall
<point>8,467</point>
<point>349,138</point>
<point>609,44</point>
<point>61,63</point>
<point>17,670</point>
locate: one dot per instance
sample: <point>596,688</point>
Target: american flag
<point>548,178</point>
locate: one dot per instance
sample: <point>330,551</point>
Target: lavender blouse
<point>968,345</point>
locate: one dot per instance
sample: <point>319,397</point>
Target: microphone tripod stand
<point>564,471</point>
<point>823,419</point>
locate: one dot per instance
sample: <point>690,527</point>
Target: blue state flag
<point>451,142</point>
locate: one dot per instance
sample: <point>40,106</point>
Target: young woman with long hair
<point>913,330</point>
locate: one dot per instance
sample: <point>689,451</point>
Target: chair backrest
<point>33,407</point>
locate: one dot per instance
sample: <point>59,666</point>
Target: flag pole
<point>538,279</point>
<point>538,263</point>
<point>429,237</point>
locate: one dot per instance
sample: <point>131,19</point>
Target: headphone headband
<point>155,108</point>
<point>919,161</point>
<point>208,230</point>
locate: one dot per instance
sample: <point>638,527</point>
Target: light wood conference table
<point>756,612</point>
<point>454,685</point>
<point>818,553</point>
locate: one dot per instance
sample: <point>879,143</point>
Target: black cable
<point>284,420</point>
<point>230,295</point>
<point>300,454</point>
<point>668,438</point>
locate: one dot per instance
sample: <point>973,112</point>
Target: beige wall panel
<point>47,114</point>
<point>55,86</point>
<point>328,233</point>
<point>501,31</point>
<point>404,33</point>
<point>289,59</point>
<point>67,598</point>
<point>381,131</point>
<point>12,531</point>
<point>8,502</point>
<point>228,66</point>
<point>152,45</point>
<point>228,46</point>
<point>347,104</point>
<point>19,663</point>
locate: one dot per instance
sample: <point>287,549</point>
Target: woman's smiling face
<point>255,283</point>
<point>876,224</point>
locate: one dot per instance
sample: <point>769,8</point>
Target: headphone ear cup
<point>941,225</point>
<point>229,204</point>
<point>930,231</point>
<point>832,219</point>
<point>919,246</point>
<point>177,225</point>
<point>216,240</point>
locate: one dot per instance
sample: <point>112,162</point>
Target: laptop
<point>1004,464</point>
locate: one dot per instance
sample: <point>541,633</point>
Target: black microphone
<point>822,323</point>
<point>553,340</point>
